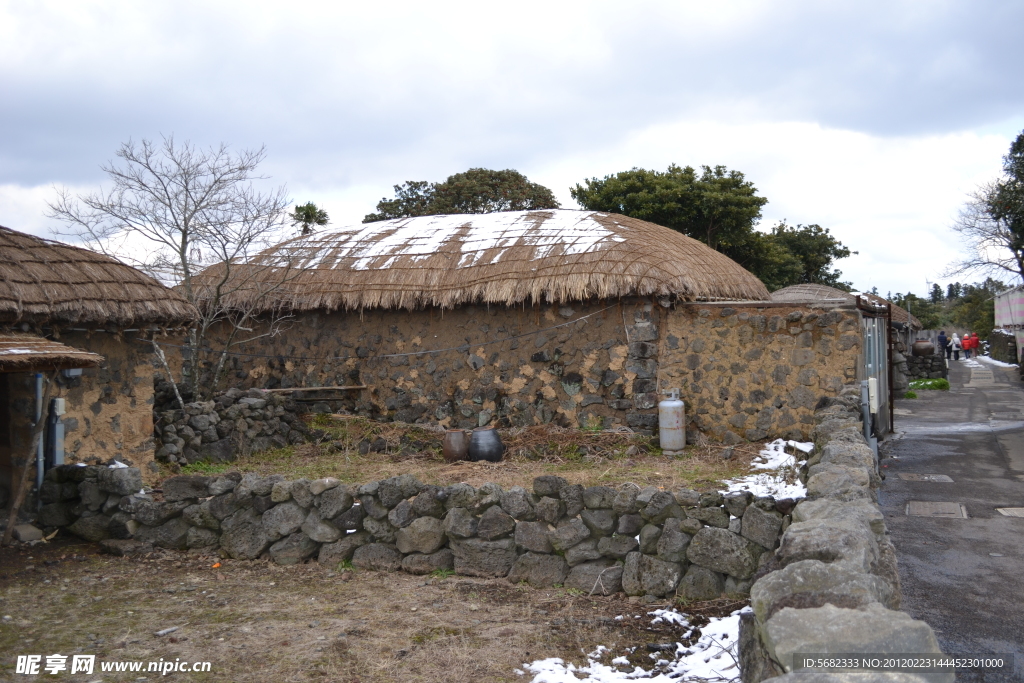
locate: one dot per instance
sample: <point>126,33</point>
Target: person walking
<point>975,343</point>
<point>955,344</point>
<point>966,343</point>
<point>944,344</point>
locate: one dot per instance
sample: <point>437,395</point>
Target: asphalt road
<point>964,576</point>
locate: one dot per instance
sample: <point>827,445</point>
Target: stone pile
<point>234,422</point>
<point>832,585</point>
<point>87,498</point>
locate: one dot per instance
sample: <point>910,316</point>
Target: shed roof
<point>500,258</point>
<point>821,293</point>
<point>46,282</point>
<point>28,353</point>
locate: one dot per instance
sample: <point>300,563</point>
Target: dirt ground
<point>256,622</point>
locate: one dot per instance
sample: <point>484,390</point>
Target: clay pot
<point>485,444</point>
<point>456,445</point>
<point>923,347</point>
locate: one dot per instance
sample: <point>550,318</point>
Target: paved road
<point>965,577</point>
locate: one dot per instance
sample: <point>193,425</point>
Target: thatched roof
<point>808,293</point>
<point>500,258</point>
<point>28,353</point>
<point>46,282</point>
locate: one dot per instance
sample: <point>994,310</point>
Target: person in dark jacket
<point>944,345</point>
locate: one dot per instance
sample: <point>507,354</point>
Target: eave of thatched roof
<point>812,293</point>
<point>48,283</point>
<point>501,258</point>
<point>30,353</point>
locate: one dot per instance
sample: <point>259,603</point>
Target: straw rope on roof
<point>28,352</point>
<point>500,258</point>
<point>46,282</point>
<point>821,293</point>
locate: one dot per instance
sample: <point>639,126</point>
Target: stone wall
<point>754,372</point>
<point>508,366</point>
<point>1002,345</point>
<point>832,585</point>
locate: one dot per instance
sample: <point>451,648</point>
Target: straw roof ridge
<point>47,282</point>
<point>26,352</point>
<point>505,258</point>
<point>808,292</point>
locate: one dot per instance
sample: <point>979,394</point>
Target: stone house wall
<point>757,371</point>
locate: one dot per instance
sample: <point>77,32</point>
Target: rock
<point>572,496</point>
<point>418,563</point>
<point>253,484</point>
<point>341,551</point>
<point>700,583</point>
<point>599,577</point>
<point>377,556</point>
<point>93,528</point>
<point>120,480</point>
<point>319,530</point>
<point>649,537</point>
<point>373,508</point>
<point>824,508</point>
<point>350,520</point>
<point>734,586</point>
<point>460,496</point>
<point>460,523</point>
<point>293,549</point>
<point>601,522</point>
<point>661,506</point>
<point>301,493</point>
<point>318,486</point>
<point>487,496</point>
<point>568,534</point>
<point>281,491</point>
<point>723,552</point>
<point>629,525</point>
<point>283,520</point>
<point>225,505</point>
<point>125,547</point>
<point>91,495</point>
<point>810,583</point>
<point>516,502</point>
<point>172,534</point>
<point>476,557</point>
<point>55,514</point>
<point>549,510</point>
<point>625,502</point>
<point>186,486</point>
<point>390,492</point>
<point>155,514</point>
<point>548,485</point>
<point>334,501</point>
<point>402,515</point>
<point>243,535</point>
<point>647,575</point>
<point>533,537</point>
<point>424,535</point>
<point>599,497</point>
<point>223,450</point>
<point>427,504</point>
<point>736,502</point>
<point>198,537</point>
<point>761,527</point>
<point>583,551</point>
<point>617,547</point>
<point>712,516</point>
<point>27,532</point>
<point>225,483</point>
<point>830,629</point>
<point>495,523</point>
<point>687,498</point>
<point>673,542</point>
<point>848,542</point>
<point>381,529</point>
<point>539,570</point>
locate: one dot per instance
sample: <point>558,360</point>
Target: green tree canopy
<point>308,215</point>
<point>478,190</point>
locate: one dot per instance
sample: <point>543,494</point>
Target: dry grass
<point>259,622</point>
<point>581,456</point>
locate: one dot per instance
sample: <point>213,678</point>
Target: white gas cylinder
<point>672,424</point>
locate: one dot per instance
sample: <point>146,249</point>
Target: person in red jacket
<point>966,342</point>
<point>975,343</point>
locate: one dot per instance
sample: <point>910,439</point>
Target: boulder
<point>476,557</point>
<point>243,535</point>
<point>90,494</point>
<point>516,502</point>
<point>647,575</point>
<point>761,527</point>
<point>601,522</point>
<point>584,551</point>
<point>533,537</point>
<point>460,523</point>
<point>823,508</point>
<point>390,492</point>
<point>319,530</point>
<point>227,504</point>
<point>94,528</point>
<point>700,583</point>
<point>548,485</point>
<point>199,537</point>
<point>495,523</point>
<point>186,486</point>
<point>120,480</point>
<point>427,504</point>
<point>424,535</point>
<point>224,483</point>
<point>253,484</point>
<point>845,541</point>
<point>840,482</point>
<point>350,520</point>
<point>673,542</point>
<point>649,537</point>
<point>568,534</point>
<point>378,556</point>
<point>172,534</point>
<point>372,507</point>
<point>342,550</point>
<point>572,496</point>
<point>599,577</point>
<point>154,514</point>
<point>283,520</point>
<point>418,563</point>
<point>736,502</point>
<point>55,514</point>
<point>662,506</point>
<point>625,502</point>
<point>723,552</point>
<point>293,549</point>
<point>318,486</point>
<point>712,516</point>
<point>301,493</point>
<point>539,570</point>
<point>381,529</point>
<point>599,497</point>
<point>549,510</point>
<point>629,525</point>
<point>687,498</point>
<point>402,514</point>
<point>617,547</point>
<point>334,501</point>
<point>459,496</point>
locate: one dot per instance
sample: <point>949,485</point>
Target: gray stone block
<point>425,535</point>
<point>568,534</point>
<point>617,547</point>
<point>377,556</point>
<point>243,536</point>
<point>283,520</point>
<point>539,570</point>
<point>625,502</point>
<point>495,523</point>
<point>418,563</point>
<point>724,552</point>
<point>460,523</point>
<point>186,486</point>
<point>662,505</point>
<point>342,550</point>
<point>402,514</point>
<point>629,525</point>
<point>94,528</point>
<point>476,557</point>
<point>599,497</point>
<point>647,575</point>
<point>533,537</point>
<point>599,577</point>
<point>549,510</point>
<point>120,480</point>
<point>517,503</point>
<point>572,496</point>
<point>673,542</point>
<point>335,501</point>
<point>601,522</point>
<point>548,485</point>
<point>381,529</point>
<point>700,583</point>
<point>198,537</point>
<point>172,534</point>
<point>712,516</point>
<point>584,551</point>
<point>761,527</point>
<point>320,530</point>
<point>844,541</point>
<point>650,534</point>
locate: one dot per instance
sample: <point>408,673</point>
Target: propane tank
<point>672,424</point>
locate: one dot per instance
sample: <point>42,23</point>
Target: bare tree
<point>995,248</point>
<point>174,210</point>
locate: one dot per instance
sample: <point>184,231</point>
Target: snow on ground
<point>997,363</point>
<point>780,470</point>
<point>971,363</point>
<point>712,658</point>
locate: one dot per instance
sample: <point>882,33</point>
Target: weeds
<point>910,394</point>
<point>442,573</point>
<point>935,384</point>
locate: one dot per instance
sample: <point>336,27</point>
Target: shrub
<point>939,384</point>
<point>910,394</point>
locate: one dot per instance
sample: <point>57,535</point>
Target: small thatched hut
<point>576,317</point>
<point>102,373</point>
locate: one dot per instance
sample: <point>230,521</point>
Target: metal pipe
<point>38,417</point>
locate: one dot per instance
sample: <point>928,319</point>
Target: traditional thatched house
<point>576,317</point>
<point>100,373</point>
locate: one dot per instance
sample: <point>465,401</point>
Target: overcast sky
<point>873,119</point>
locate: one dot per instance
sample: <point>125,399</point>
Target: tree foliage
<point>967,306</point>
<point>478,190</point>
<point>308,215</point>
<point>720,208</point>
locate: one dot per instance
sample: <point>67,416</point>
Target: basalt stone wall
<point>832,586</point>
<point>755,372</point>
<point>925,367</point>
<point>588,364</point>
<point>1002,345</point>
<point>645,542</point>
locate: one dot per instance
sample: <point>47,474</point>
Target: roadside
<point>963,576</point>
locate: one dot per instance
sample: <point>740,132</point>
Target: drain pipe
<point>865,410</point>
<point>39,448</point>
